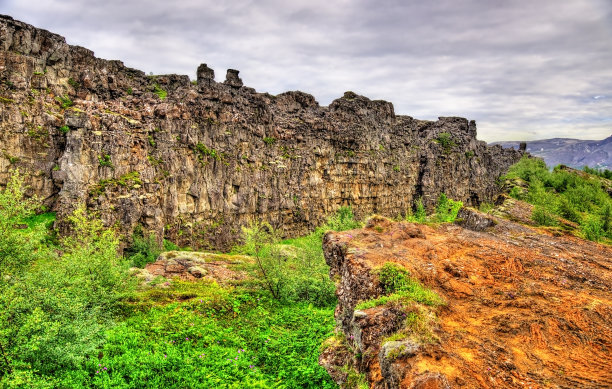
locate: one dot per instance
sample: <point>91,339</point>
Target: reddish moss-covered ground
<point>526,307</point>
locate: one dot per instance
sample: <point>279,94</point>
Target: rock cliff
<point>195,160</point>
<point>523,307</point>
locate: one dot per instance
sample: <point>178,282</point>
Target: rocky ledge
<point>501,305</point>
<point>195,160</point>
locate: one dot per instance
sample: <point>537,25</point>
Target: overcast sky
<point>523,69</point>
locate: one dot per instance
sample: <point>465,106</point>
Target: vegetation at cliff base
<point>445,212</point>
<point>72,316</point>
<point>580,197</point>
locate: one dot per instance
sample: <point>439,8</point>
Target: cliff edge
<point>195,160</point>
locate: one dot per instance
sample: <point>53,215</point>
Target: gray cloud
<point>522,70</point>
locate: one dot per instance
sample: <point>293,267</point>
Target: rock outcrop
<point>193,161</point>
<point>524,307</point>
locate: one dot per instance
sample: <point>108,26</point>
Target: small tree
<point>261,241</point>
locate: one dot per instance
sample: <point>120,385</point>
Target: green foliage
<point>64,101</point>
<point>400,288</point>
<point>64,129</point>
<point>204,152</point>
<point>393,278</point>
<point>73,83</point>
<point>217,339</point>
<point>162,94</point>
<point>445,140</point>
<point>152,141</point>
<point>354,379</point>
<point>417,326</point>
<point>419,215</point>
<point>579,198</point>
<point>19,247</point>
<point>143,250</point>
<point>294,270</point>
<point>128,180</point>
<point>414,292</point>
<point>342,220</point>
<point>53,308</point>
<point>605,173</point>
<point>469,154</point>
<point>269,140</point>
<point>129,91</point>
<point>486,207</point>
<point>543,217</point>
<point>105,160</point>
<point>447,209</point>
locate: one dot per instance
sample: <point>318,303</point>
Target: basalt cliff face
<point>524,307</point>
<point>193,161</point>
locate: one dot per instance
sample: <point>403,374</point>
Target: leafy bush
<point>53,309</point>
<point>605,173</point>
<point>562,193</point>
<point>543,217</point>
<point>446,141</point>
<point>393,278</point>
<point>295,270</point>
<point>64,101</point>
<point>420,215</point>
<point>447,209</point>
<point>143,249</point>
<point>400,287</point>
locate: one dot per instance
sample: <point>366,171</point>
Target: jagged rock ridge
<point>193,161</point>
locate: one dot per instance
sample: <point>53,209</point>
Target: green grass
<point>220,337</point>
<point>416,293</point>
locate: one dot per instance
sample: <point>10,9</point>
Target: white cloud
<point>522,70</point>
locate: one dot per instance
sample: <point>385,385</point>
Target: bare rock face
<point>194,162</point>
<point>521,305</point>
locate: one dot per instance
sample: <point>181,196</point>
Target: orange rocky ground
<point>526,307</point>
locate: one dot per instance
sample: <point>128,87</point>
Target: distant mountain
<point>576,153</point>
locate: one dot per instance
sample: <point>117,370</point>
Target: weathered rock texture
<point>195,160</point>
<point>525,309</point>
<point>193,265</point>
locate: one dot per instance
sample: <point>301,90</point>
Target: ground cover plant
<point>71,315</point>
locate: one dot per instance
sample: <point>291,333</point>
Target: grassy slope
<point>575,196</point>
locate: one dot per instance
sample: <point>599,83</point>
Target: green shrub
<point>393,278</point>
<point>563,193</point>
<point>420,215</point>
<point>143,249</point>
<point>445,140</point>
<point>54,311</point>
<point>105,160</point>
<point>542,217</point>
<point>400,288</point>
<point>64,129</point>
<point>64,101</point>
<point>593,228</point>
<point>294,270</point>
<point>269,140</point>
<point>447,209</point>
<point>73,83</point>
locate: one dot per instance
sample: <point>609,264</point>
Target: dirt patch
<point>525,308</point>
